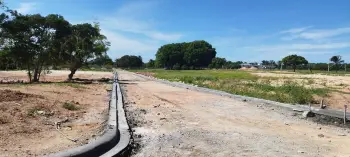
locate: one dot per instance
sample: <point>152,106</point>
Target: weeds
<point>73,85</point>
<point>244,83</point>
<point>310,81</point>
<point>33,111</point>
<point>70,106</point>
<point>4,118</point>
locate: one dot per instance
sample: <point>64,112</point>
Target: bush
<point>184,67</point>
<point>177,66</point>
<point>70,106</point>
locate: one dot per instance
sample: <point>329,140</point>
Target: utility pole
<point>328,66</point>
<point>345,67</point>
<point>281,66</point>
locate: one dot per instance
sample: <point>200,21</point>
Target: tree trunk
<point>30,76</point>
<point>36,75</point>
<point>72,72</point>
<point>294,67</point>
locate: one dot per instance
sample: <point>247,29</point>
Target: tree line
<point>36,43</point>
<point>172,56</point>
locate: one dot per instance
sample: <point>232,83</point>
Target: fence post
<point>345,107</point>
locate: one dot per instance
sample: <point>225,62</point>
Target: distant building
<point>259,66</point>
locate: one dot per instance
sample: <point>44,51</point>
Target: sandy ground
<point>28,113</point>
<point>53,75</point>
<point>171,121</point>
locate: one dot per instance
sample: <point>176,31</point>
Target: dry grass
<point>287,90</point>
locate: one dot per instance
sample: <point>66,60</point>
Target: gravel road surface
<point>172,121</point>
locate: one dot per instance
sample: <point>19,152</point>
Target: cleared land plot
<point>171,121</point>
<point>28,112</point>
<point>287,88</point>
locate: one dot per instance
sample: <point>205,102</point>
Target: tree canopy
<point>102,60</point>
<point>194,54</point>
<point>35,42</point>
<point>337,60</point>
<point>84,43</point>
<point>131,61</point>
<point>32,40</point>
<point>294,61</point>
<point>151,64</point>
<point>217,63</point>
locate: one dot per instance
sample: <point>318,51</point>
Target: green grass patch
<point>73,85</point>
<point>70,106</point>
<point>322,72</point>
<point>244,83</point>
<point>34,111</point>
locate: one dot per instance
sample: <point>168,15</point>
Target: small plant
<point>4,119</point>
<point>70,106</point>
<point>342,84</point>
<point>310,81</point>
<point>73,85</point>
<point>32,112</point>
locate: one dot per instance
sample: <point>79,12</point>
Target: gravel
<point>185,122</point>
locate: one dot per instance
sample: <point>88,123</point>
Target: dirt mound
<point>10,95</point>
<point>253,68</point>
<point>244,68</point>
<point>146,73</point>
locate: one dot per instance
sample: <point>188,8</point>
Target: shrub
<point>184,67</point>
<point>70,106</point>
<point>177,66</point>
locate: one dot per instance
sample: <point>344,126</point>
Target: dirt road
<point>171,121</point>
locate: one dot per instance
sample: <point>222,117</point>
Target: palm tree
<point>337,62</point>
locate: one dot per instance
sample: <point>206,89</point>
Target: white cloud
<point>163,36</point>
<point>138,27</point>
<point>314,34</point>
<point>132,30</point>
<point>123,43</point>
<point>302,47</point>
<point>135,17</point>
<point>314,52</point>
<point>325,33</point>
<point>25,8</point>
<point>138,8</point>
<point>295,30</point>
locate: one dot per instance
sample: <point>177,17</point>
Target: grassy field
<point>332,73</point>
<point>245,83</point>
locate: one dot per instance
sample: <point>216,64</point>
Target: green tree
<point>337,60</point>
<point>84,43</point>
<point>199,54</point>
<point>102,60</point>
<point>177,66</point>
<point>265,62</point>
<point>131,61</point>
<point>294,61</point>
<point>194,54</point>
<point>32,40</point>
<point>217,63</point>
<point>320,66</point>
<point>233,65</point>
<point>170,54</point>
<point>151,64</point>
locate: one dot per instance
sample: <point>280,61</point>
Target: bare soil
<point>172,121</point>
<point>29,113</point>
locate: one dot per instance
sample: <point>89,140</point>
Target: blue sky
<point>247,30</point>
